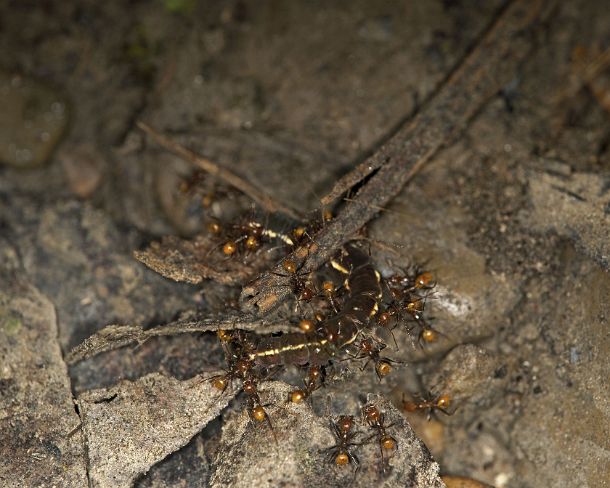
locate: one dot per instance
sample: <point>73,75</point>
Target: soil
<point>513,219</point>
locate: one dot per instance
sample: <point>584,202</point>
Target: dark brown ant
<point>376,420</point>
<point>341,453</point>
<point>431,404</point>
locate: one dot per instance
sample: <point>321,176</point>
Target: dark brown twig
<point>489,67</point>
<point>260,197</point>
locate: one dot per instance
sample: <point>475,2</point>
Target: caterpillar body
<point>364,285</point>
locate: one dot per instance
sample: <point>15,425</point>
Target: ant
<point>243,368</point>
<point>312,381</point>
<point>409,296</point>
<point>427,335</point>
<point>440,403</point>
<point>246,236</point>
<point>369,349</point>
<point>376,420</point>
<point>299,286</point>
<point>341,453</point>
<point>330,292</point>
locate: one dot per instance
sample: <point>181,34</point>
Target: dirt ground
<point>513,219</point>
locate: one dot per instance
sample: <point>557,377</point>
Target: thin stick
<point>264,200</point>
<point>117,336</point>
<point>489,66</point>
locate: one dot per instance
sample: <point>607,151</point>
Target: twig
<point>117,336</point>
<point>265,201</point>
<point>489,67</point>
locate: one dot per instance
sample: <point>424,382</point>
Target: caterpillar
<point>364,286</point>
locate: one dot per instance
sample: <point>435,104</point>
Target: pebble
<point>32,121</point>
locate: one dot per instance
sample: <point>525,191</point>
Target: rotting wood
<point>485,70</point>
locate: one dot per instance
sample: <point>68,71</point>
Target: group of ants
<point>325,332</point>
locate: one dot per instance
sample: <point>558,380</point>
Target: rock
<point>83,166</point>
<point>468,301</point>
<point>40,440</point>
<point>293,453</point>
<point>133,425</point>
<point>81,260</point>
<point>466,371</point>
<point>577,207</point>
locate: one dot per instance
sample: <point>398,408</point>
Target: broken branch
<point>489,67</point>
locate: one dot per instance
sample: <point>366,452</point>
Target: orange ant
<point>369,349</point>
<point>243,368</point>
<point>427,335</point>
<point>312,381</point>
<point>299,286</point>
<point>441,403</point>
<point>376,420</point>
<point>341,453</point>
<point>256,410</point>
<point>330,293</point>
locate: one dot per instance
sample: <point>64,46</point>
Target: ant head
<point>384,319</point>
<point>367,346</point>
<point>443,402</point>
<point>214,228</point>
<point>345,423</point>
<point>307,294</point>
<point>415,305</point>
<point>299,232</point>
<point>410,406</point>
<point>328,287</point>
<point>252,243</point>
<point>224,335</point>
<point>314,373</point>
